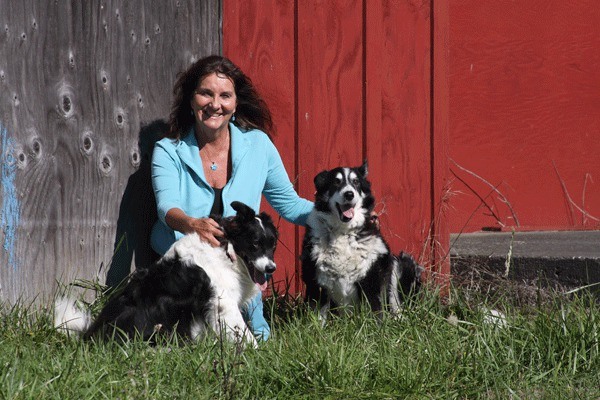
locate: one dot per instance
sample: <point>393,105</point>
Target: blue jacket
<point>179,182</point>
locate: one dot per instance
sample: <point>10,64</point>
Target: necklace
<point>221,146</point>
<point>213,164</point>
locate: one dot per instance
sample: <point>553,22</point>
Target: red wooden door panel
<point>330,95</point>
<point>397,137</point>
<point>524,116</point>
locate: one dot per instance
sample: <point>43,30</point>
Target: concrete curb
<point>550,258</point>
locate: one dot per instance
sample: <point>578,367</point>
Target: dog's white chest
<point>344,260</point>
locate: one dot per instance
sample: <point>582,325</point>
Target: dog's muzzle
<point>265,265</point>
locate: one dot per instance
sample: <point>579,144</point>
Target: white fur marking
<point>260,223</point>
<point>393,290</point>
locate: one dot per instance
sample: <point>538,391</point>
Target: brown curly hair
<point>251,111</point>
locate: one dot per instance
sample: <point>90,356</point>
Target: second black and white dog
<point>192,289</point>
<point>344,256</point>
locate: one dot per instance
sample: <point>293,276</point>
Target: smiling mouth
<point>346,211</point>
<point>214,116</point>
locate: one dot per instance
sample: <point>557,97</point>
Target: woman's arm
<point>280,192</point>
<point>166,171</point>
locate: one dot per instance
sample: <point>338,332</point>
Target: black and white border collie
<point>192,289</point>
<point>344,256</point>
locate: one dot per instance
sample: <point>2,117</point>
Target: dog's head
<point>345,192</point>
<point>254,237</point>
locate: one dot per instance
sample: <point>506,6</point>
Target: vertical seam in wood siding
<point>220,16</point>
<point>364,79</point>
<point>439,140</point>
<point>298,279</point>
<point>432,179</point>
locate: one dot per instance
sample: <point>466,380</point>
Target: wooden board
<point>398,130</point>
<point>524,89</point>
<point>78,82</point>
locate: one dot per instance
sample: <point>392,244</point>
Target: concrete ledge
<point>549,259</point>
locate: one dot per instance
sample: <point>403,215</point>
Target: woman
<point>217,151</point>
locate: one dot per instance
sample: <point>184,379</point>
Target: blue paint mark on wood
<point>9,213</point>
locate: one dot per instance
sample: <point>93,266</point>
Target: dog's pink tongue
<point>260,280</point>
<point>349,213</point>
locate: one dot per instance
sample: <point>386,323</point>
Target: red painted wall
<point>524,114</point>
<point>347,81</point>
<point>473,114</point>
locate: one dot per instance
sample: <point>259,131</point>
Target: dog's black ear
<point>363,170</point>
<point>321,180</point>
<point>268,222</point>
<point>266,218</point>
<point>243,211</point>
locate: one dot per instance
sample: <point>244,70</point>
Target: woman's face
<point>214,102</point>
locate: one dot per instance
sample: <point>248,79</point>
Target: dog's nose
<point>270,268</point>
<point>349,195</point>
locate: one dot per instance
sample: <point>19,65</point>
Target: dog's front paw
<point>242,337</point>
<point>323,314</point>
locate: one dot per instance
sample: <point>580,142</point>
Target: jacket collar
<point>189,152</point>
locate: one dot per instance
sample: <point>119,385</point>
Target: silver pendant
<point>213,167</point>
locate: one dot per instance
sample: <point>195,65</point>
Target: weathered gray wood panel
<point>78,81</point>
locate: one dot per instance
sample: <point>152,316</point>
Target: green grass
<point>548,351</point>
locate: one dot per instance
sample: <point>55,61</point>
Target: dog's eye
<point>255,245</point>
<point>337,181</point>
<point>355,181</point>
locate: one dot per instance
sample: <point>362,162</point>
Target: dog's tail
<point>70,319</point>
<point>410,275</point>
